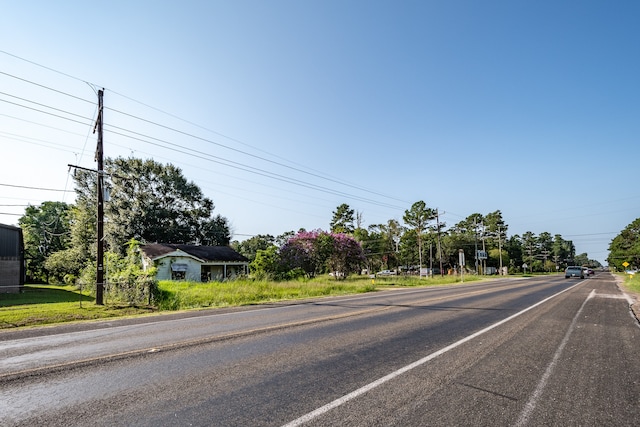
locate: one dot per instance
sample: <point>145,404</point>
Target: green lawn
<point>41,305</point>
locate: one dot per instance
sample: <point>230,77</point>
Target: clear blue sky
<point>528,107</point>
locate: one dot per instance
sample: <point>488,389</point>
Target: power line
<point>46,87</point>
<point>35,188</point>
<point>229,163</point>
<point>341,182</point>
<point>255,156</point>
<point>240,166</point>
<point>44,66</point>
<point>49,113</point>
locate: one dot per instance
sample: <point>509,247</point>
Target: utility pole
<point>439,248</point>
<point>475,235</point>
<point>431,259</point>
<point>484,251</point>
<point>100,193</point>
<point>500,246</point>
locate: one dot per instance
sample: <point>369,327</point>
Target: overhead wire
<point>230,163</point>
<point>48,87</point>
<point>340,182</point>
<point>220,160</point>
<point>218,133</point>
<point>33,188</point>
<point>185,150</point>
<point>253,155</point>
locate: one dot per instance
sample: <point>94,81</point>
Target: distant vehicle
<point>574,271</point>
<point>588,271</point>
<point>386,273</point>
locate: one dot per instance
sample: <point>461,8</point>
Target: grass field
<point>632,283</point>
<point>42,305</point>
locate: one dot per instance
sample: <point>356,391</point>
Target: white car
<point>386,273</point>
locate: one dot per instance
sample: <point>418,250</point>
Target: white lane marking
<point>617,296</point>
<point>533,400</point>
<point>362,390</point>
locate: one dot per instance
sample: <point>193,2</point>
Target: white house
<point>193,262</point>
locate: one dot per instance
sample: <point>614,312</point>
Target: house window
<point>178,271</point>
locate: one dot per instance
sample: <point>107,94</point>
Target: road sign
<point>625,264</point>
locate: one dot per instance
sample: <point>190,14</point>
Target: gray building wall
<point>12,271</point>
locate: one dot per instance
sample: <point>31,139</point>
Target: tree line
<point>625,248</point>
<point>422,240</point>
<point>147,202</point>
<point>153,202</point>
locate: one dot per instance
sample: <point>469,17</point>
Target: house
<point>193,262</point>
<point>12,267</point>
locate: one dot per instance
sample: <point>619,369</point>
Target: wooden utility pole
<point>100,194</point>
<point>439,247</point>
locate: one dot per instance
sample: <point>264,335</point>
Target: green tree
<point>250,247</point>
<point>343,219</point>
<point>152,202</point>
<point>545,247</point>
<point>530,248</point>
<point>561,250</point>
<point>266,264</point>
<point>494,258</point>
<point>418,218</point>
<point>46,229</point>
<point>515,252</point>
<point>452,242</point>
<point>384,244</point>
<point>284,237</point>
<point>582,259</point>
<point>496,229</point>
<point>409,255</point>
<point>625,247</point>
<point>370,243</point>
<point>215,231</point>
<point>65,265</point>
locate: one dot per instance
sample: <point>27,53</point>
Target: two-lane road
<point>543,351</point>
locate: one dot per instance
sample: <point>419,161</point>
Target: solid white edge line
<point>338,402</point>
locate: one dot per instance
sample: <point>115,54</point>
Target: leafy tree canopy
<point>251,246</point>
<point>317,251</point>
<point>625,247</point>
<point>343,219</point>
<point>152,202</point>
<point>46,229</point>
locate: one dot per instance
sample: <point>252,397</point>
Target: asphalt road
<point>528,352</point>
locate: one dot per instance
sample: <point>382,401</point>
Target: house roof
<point>205,253</point>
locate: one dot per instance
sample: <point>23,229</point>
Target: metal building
<point>12,267</point>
